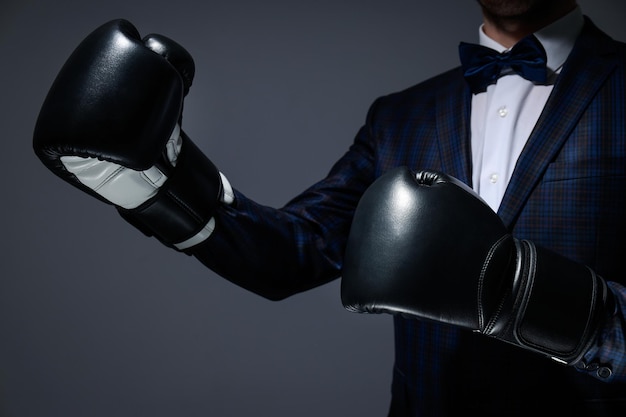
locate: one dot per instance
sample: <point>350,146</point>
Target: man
<point>547,154</point>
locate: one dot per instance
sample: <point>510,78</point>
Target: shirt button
<point>503,111</point>
<point>493,178</point>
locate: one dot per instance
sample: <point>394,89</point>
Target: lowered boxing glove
<point>425,245</point>
<point>110,125</point>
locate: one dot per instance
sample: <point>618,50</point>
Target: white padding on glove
<point>122,186</point>
<point>128,188</point>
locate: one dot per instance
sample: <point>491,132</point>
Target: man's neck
<point>507,31</point>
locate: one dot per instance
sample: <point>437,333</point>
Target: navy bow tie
<point>482,66</point>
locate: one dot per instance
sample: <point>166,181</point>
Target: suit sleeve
<point>278,252</point>
<point>607,359</point>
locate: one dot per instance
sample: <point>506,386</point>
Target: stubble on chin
<point>509,9</point>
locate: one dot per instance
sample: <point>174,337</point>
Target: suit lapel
<point>586,69</point>
<point>453,129</point>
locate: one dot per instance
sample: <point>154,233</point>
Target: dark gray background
<point>98,320</point>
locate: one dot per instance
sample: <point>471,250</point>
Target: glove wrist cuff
<point>185,204</point>
<point>560,305</point>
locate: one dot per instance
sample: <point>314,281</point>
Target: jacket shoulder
<point>421,97</point>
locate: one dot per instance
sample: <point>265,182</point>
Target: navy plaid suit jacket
<point>567,193</point>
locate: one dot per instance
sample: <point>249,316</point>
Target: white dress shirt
<point>504,116</point>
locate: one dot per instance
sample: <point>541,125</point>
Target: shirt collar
<point>557,39</point>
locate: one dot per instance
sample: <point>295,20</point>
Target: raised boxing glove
<point>425,245</point>
<point>110,125</point>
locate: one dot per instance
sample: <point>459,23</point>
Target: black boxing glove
<point>425,245</point>
<point>110,125</point>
